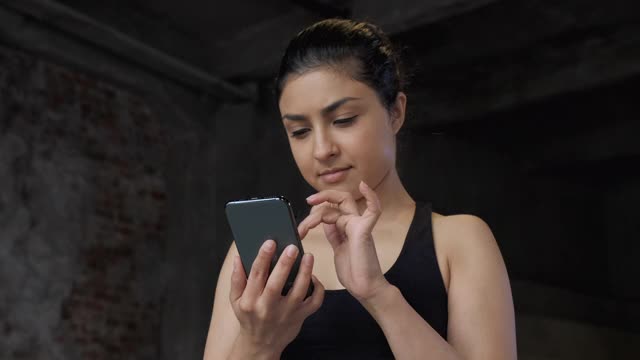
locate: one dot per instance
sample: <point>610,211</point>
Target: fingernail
<point>308,258</point>
<point>292,251</point>
<point>311,197</point>
<point>269,244</point>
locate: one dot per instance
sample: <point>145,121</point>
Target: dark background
<point>126,125</point>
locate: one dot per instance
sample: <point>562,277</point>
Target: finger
<point>302,281</point>
<point>315,218</point>
<point>315,208</point>
<point>325,214</point>
<point>302,230</point>
<point>322,207</point>
<point>373,209</point>
<point>260,270</point>
<point>313,302</point>
<point>304,227</point>
<point>343,199</point>
<point>333,235</point>
<point>238,280</point>
<point>280,272</point>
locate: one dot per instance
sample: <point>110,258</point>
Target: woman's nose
<point>324,147</point>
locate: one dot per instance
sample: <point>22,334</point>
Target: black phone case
<point>256,220</point>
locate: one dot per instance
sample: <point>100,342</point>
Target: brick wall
<point>83,208</point>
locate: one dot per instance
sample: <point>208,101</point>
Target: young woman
<point>392,278</point>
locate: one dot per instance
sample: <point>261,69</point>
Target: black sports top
<point>343,329</point>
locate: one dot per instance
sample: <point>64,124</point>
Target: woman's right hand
<point>268,320</point>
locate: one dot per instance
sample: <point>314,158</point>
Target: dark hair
<point>359,49</point>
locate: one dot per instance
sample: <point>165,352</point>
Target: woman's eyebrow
<point>326,110</point>
<point>294,117</point>
<point>335,105</point>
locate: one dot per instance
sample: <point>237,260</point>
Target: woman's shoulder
<point>461,234</point>
<point>459,222</point>
<point>461,242</point>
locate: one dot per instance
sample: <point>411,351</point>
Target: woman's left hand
<point>349,234</point>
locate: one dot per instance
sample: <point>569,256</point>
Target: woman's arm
<point>223,340</point>
<point>224,326</point>
<point>481,317</point>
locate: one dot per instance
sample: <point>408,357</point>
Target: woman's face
<point>339,131</point>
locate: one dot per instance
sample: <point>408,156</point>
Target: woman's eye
<point>299,133</point>
<point>344,121</point>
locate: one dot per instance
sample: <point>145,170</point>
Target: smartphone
<point>256,220</point>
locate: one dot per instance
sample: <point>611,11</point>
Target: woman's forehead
<point>314,90</point>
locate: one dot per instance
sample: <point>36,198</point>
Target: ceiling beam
<point>511,25</point>
<point>459,92</point>
<point>256,51</point>
<point>154,29</point>
<point>78,26</point>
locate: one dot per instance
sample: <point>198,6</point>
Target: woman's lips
<point>336,176</point>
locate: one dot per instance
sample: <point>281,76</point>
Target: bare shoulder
<point>456,237</point>
<point>462,238</point>
<point>460,223</point>
<point>462,230</point>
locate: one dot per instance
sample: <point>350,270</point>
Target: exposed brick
<point>91,177</point>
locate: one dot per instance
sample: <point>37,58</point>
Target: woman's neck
<point>394,198</point>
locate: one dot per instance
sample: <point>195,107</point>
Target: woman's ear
<point>398,112</point>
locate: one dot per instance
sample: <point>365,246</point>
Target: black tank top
<point>343,329</point>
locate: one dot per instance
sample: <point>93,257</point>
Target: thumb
<point>373,209</point>
<point>238,280</point>
<point>332,234</point>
